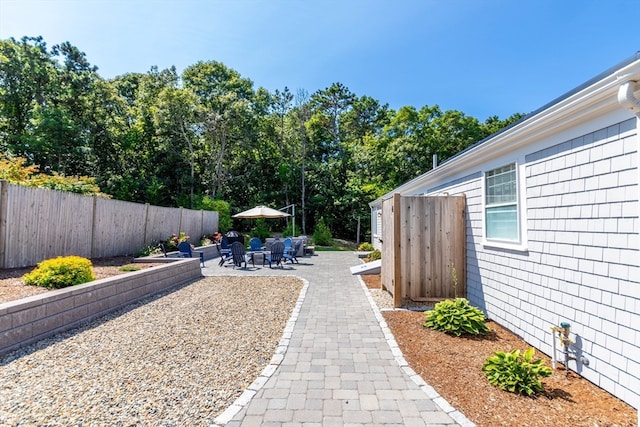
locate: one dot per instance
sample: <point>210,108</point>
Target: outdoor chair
<point>163,248</point>
<point>225,246</point>
<point>291,254</point>
<point>275,256</point>
<point>238,254</point>
<point>287,245</point>
<point>224,255</point>
<point>255,244</point>
<point>186,252</point>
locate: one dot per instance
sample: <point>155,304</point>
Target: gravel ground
<point>180,358</point>
<point>382,298</point>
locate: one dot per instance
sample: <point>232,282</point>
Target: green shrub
<point>224,213</point>
<point>365,247</point>
<point>173,241</point>
<point>375,255</point>
<point>60,272</point>
<point>322,234</point>
<point>515,372</point>
<point>456,317</point>
<point>153,249</point>
<point>288,230</point>
<point>129,268</point>
<point>261,229</point>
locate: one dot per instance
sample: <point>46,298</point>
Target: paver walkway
<point>337,364</point>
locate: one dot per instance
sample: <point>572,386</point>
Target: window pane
<point>502,222</point>
<point>500,185</point>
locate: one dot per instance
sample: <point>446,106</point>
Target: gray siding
<point>582,262</point>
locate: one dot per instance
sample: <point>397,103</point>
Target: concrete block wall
<point>34,318</point>
<point>582,260</point>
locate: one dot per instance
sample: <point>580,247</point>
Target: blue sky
<point>481,57</point>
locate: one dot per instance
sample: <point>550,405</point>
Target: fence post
<point>146,221</point>
<point>397,252</point>
<point>93,225</point>
<point>3,221</point>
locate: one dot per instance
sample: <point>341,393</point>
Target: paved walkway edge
<point>395,350</point>
<point>277,358</point>
<point>271,368</point>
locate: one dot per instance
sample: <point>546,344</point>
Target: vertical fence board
<point>428,246</point>
<point>162,223</point>
<point>3,221</point>
<point>37,224</point>
<point>125,217</point>
<point>210,222</point>
<point>386,235</point>
<point>192,221</point>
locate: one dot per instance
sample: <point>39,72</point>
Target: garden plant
<point>456,317</point>
<point>61,272</point>
<point>516,372</point>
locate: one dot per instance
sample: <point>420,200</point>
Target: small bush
<point>365,247</point>
<point>288,230</point>
<point>322,235</point>
<point>173,241</point>
<point>261,229</point>
<point>60,272</point>
<point>456,317</point>
<point>515,372</point>
<point>152,249</point>
<point>375,255</point>
<point>129,268</point>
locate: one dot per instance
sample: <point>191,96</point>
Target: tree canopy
<point>209,135</point>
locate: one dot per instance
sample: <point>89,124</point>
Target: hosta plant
<point>456,317</point>
<point>61,272</point>
<point>515,372</point>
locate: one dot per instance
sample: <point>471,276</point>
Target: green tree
<point>226,118</point>
<point>174,118</point>
<point>329,157</point>
<point>26,72</point>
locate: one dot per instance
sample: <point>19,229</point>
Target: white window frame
<point>520,243</point>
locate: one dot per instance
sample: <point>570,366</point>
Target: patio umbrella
<point>261,212</point>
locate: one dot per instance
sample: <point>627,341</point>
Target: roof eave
<point>582,104</point>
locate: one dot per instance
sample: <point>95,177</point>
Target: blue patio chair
<point>238,254</point>
<point>288,245</point>
<point>291,254</point>
<point>225,247</point>
<point>255,244</point>
<point>275,256</point>
<point>185,252</point>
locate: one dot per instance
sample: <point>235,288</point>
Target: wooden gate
<point>424,248</point>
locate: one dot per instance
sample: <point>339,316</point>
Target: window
<point>501,204</point>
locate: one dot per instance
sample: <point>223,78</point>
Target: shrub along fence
<point>37,224</point>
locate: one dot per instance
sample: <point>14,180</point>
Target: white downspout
<point>627,99</point>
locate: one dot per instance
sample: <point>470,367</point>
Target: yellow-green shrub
<point>375,255</point>
<point>365,247</point>
<point>60,272</point>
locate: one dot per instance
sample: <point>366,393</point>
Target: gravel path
<point>178,359</point>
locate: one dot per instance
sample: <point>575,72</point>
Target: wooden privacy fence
<point>37,224</point>
<point>424,248</point>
